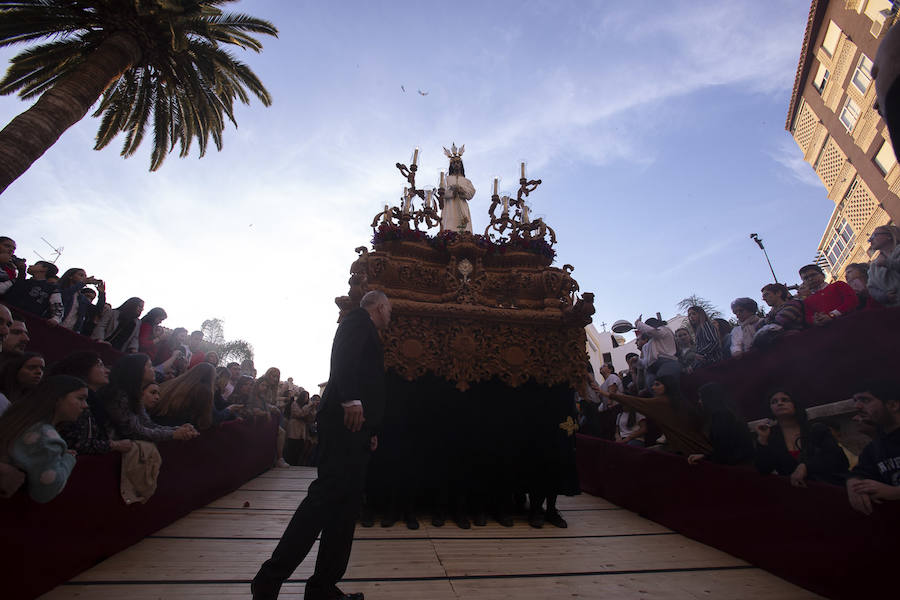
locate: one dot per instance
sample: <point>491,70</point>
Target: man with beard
<point>876,477</point>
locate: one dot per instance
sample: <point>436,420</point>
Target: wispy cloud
<point>790,157</point>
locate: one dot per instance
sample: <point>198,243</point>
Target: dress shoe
<point>536,519</point>
<point>554,518</point>
<point>480,520</point>
<point>438,519</point>
<point>462,522</point>
<point>412,522</point>
<point>505,520</point>
<point>366,518</point>
<point>389,520</point>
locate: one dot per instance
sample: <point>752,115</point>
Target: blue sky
<point>658,130</point>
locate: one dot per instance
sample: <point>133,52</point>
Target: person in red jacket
<point>825,302</point>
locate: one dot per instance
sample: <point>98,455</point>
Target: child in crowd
<point>29,438</point>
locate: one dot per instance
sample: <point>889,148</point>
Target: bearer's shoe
<point>462,522</point>
<point>536,519</point>
<point>505,520</point>
<point>480,520</point>
<point>389,519</point>
<point>412,522</point>
<point>554,518</point>
<point>438,519</point>
<point>366,517</point>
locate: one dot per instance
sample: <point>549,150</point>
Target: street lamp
<point>759,243</point>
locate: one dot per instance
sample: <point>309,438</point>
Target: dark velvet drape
<point>809,536</point>
<point>45,545</point>
<point>821,364</point>
<point>439,444</point>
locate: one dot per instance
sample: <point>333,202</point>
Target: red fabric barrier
<point>822,364</point>
<point>48,544</point>
<point>809,536</point>
<point>58,342</point>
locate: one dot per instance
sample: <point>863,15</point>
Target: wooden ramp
<point>606,552</point>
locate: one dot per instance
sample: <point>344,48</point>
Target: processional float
<point>484,351</point>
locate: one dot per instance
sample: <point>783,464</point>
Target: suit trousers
<point>331,508</point>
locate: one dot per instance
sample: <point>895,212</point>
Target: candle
<point>525,215</point>
<point>442,180</point>
<point>387,212</point>
<point>428,198</point>
<point>505,205</point>
<point>415,155</point>
<point>405,200</point>
<point>523,170</point>
<point>496,181</point>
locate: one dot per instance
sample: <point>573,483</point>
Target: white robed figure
<point>455,215</point>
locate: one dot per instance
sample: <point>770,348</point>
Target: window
<point>831,38</point>
<point>885,158</point>
<point>850,114</point>
<point>862,77</point>
<point>839,247</point>
<point>821,79</point>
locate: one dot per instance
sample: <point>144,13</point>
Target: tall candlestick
<point>496,181</point>
<point>525,215</point>
<point>415,155</point>
<point>523,170</point>
<point>441,185</point>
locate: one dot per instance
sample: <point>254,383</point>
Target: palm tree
<point>144,57</point>
<point>694,300</point>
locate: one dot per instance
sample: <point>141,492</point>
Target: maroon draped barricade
<point>822,364</point>
<point>809,536</point>
<point>47,544</point>
<point>58,342</point>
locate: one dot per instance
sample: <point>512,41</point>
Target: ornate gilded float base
<point>468,316</point>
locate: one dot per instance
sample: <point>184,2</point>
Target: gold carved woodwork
<point>466,315</point>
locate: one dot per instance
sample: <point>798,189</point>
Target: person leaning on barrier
<point>876,477</point>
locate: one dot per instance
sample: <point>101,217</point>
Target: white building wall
<point>600,342</point>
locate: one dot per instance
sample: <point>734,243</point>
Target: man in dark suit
<point>351,413</point>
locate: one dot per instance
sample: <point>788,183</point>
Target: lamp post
<point>759,243</point>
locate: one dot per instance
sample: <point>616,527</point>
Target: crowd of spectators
<point>165,385</point>
<point>644,405</point>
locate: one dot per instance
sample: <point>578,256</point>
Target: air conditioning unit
<point>878,27</point>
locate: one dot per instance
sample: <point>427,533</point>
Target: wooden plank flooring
<point>606,552</point>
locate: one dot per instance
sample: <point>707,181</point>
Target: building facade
<point>833,120</point>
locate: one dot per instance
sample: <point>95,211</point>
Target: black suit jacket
<point>357,371</point>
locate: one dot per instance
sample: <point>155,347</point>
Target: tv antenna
<point>56,252</point>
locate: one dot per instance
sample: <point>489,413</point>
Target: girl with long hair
<point>190,398</point>
<point>789,445</point>
<point>19,376</point>
<point>121,326</point>
<point>87,434</point>
<point>706,338</point>
<point>75,304</point>
<point>122,399</point>
<point>678,419</point>
<point>29,439</point>
<point>151,333</point>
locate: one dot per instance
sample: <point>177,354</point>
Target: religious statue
<point>459,190</point>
